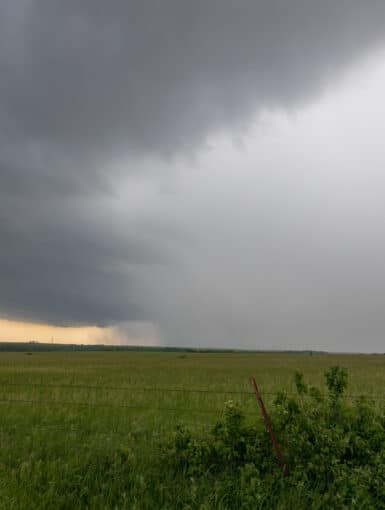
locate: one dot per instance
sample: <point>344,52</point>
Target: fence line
<point>127,388</point>
<point>133,441</point>
<point>115,405</point>
<point>177,390</point>
<point>107,404</point>
<point>84,431</point>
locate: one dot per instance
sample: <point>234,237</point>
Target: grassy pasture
<point>61,410</point>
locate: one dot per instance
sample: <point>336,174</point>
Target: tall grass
<point>84,428</point>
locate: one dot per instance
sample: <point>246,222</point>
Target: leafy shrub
<point>334,451</point>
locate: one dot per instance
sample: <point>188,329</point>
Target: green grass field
<point>62,411</point>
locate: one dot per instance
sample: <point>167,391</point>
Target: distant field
<point>57,409</point>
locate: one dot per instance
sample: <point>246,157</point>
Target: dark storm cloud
<point>58,267</point>
<point>148,75</point>
<point>87,84</point>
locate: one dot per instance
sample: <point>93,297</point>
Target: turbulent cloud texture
<point>101,102</point>
<point>90,80</point>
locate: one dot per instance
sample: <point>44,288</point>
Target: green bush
<point>334,451</point>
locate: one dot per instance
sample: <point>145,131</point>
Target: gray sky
<point>213,169</point>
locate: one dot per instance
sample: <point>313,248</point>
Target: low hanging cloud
<point>93,91</point>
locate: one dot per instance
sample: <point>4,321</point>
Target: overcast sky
<point>201,173</point>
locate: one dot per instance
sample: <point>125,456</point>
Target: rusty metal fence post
<point>269,427</point>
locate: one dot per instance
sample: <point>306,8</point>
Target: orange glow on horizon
<point>129,333</point>
<point>18,331</point>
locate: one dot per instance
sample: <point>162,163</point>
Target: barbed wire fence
<point>161,389</point>
<point>146,389</point>
<point>10,429</point>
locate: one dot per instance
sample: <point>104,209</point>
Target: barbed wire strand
<point>176,390</point>
<point>133,441</point>
<point>118,405</point>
